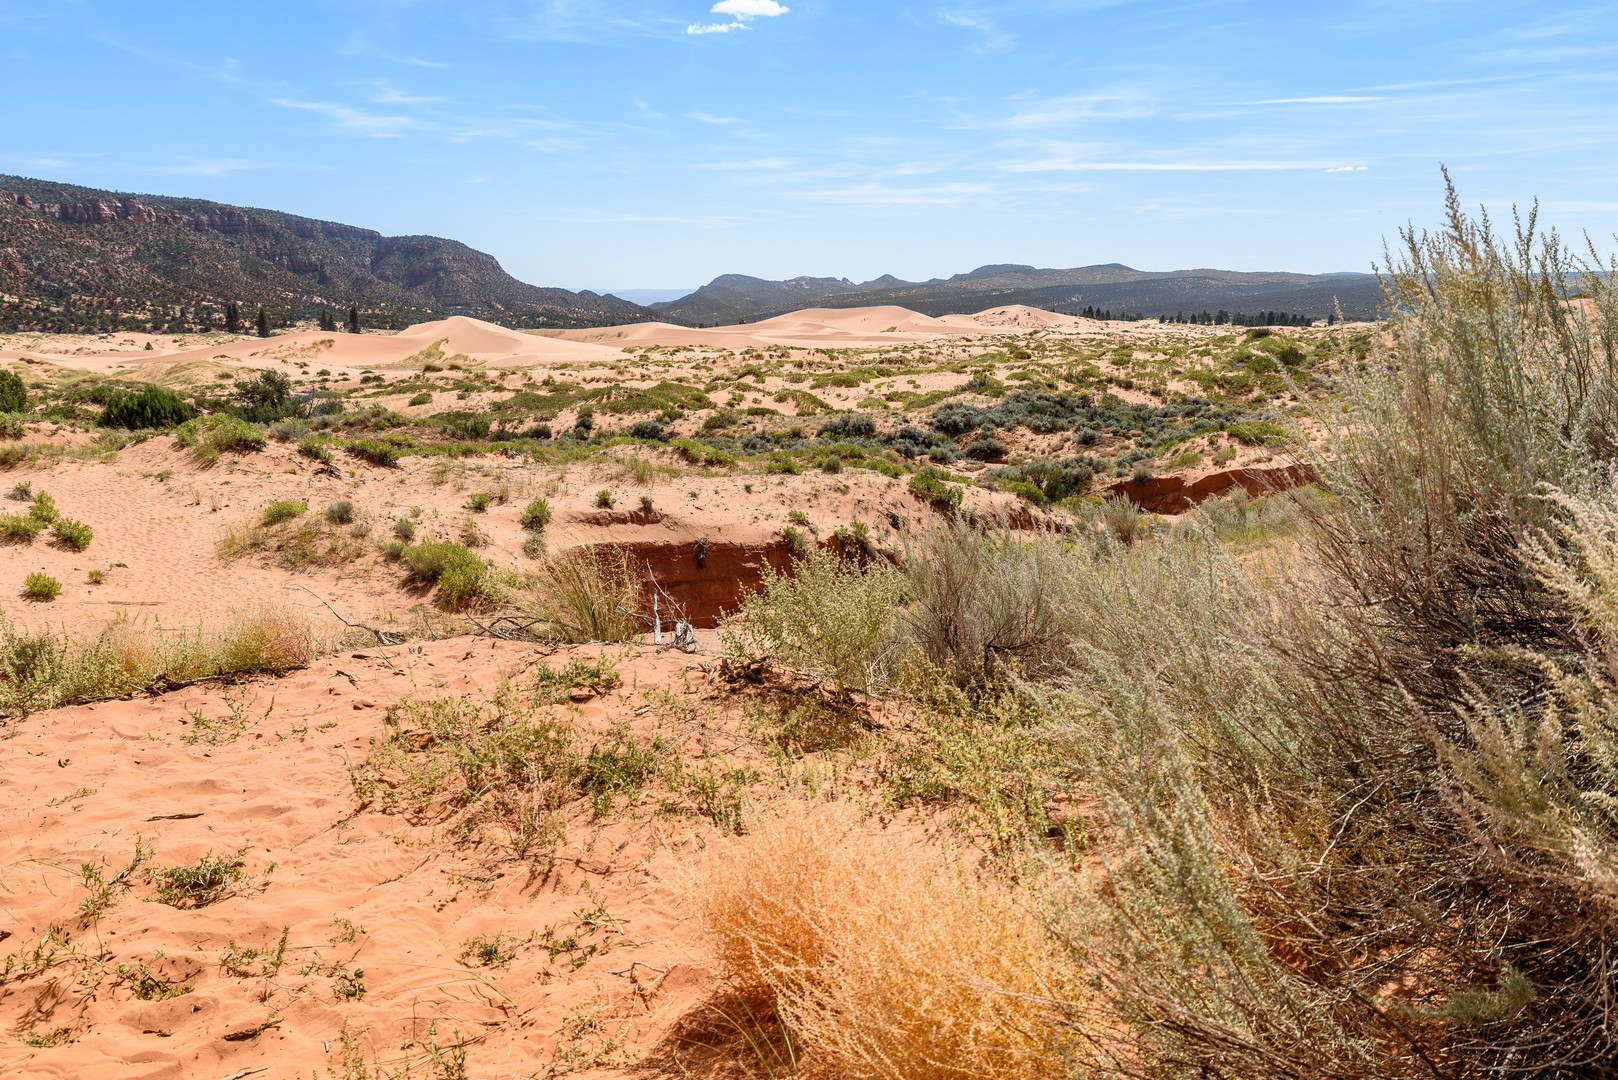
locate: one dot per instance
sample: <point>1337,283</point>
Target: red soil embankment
<point>1174,495</point>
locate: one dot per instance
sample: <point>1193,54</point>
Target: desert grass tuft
<point>585,594</point>
<point>882,958</point>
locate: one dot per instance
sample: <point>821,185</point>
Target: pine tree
<point>233,318</point>
<point>263,323</point>
<point>354,320</point>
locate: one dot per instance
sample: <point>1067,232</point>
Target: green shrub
<point>404,529</point>
<point>152,407</point>
<point>831,463</point>
<point>464,582</point>
<point>1259,433</point>
<point>938,494</point>
<point>13,425</point>
<point>1027,492</point>
<point>316,447</point>
<point>536,515</point>
<point>423,398</point>
<point>13,395</point>
<point>604,499</point>
<point>478,501</point>
<point>394,549</point>
<point>375,451</point>
<point>283,510</point>
<point>340,512</point>
<point>828,617</point>
<point>75,534</point>
<point>41,586</point>
<point>43,509</point>
<point>19,527</point>
<point>428,560</point>
<point>209,436</point>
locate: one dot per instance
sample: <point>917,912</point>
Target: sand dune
<point>810,328</point>
<point>1019,317</point>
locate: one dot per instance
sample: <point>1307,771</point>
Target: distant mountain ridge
<point>76,251</point>
<point>1109,286</point>
<point>78,258</point>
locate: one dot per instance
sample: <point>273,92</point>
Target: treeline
<point>1091,312</point>
<point>1226,318</point>
<point>96,315</point>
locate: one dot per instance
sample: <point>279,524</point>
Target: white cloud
<point>1058,164</point>
<point>1349,168</point>
<point>1329,99</point>
<point>748,9</point>
<point>739,11</point>
<point>995,40</point>
<point>378,127</point>
<point>708,118</point>
<point>214,167</point>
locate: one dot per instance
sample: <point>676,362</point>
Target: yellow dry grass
<point>884,959</point>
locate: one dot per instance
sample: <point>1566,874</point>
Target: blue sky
<point>657,143</point>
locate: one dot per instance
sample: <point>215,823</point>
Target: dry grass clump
<point>44,670</point>
<point>585,594</point>
<point>883,959</point>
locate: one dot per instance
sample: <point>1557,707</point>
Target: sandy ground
<point>356,888</point>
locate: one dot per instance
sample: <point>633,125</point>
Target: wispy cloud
<point>214,167</point>
<point>740,11</point>
<point>993,39</point>
<point>756,163</point>
<point>1349,168</point>
<point>1070,165</point>
<point>1061,111</point>
<point>346,116</point>
<point>1324,99</point>
<point>709,118</point>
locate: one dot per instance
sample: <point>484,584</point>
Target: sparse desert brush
<point>15,528</point>
<point>883,959</point>
<point>266,638</point>
<point>478,502</point>
<point>376,451</point>
<point>536,515</point>
<point>465,582</point>
<point>428,560</point>
<point>990,604</point>
<point>207,437</point>
<point>604,499</point>
<point>283,510</point>
<point>43,509</point>
<point>340,512</point>
<point>317,447</point>
<point>75,534</point>
<point>12,426</point>
<point>44,670</point>
<point>583,594</point>
<point>404,529</point>
<point>41,586</point>
<point>935,492</point>
<point>500,765</point>
<point>829,617</point>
